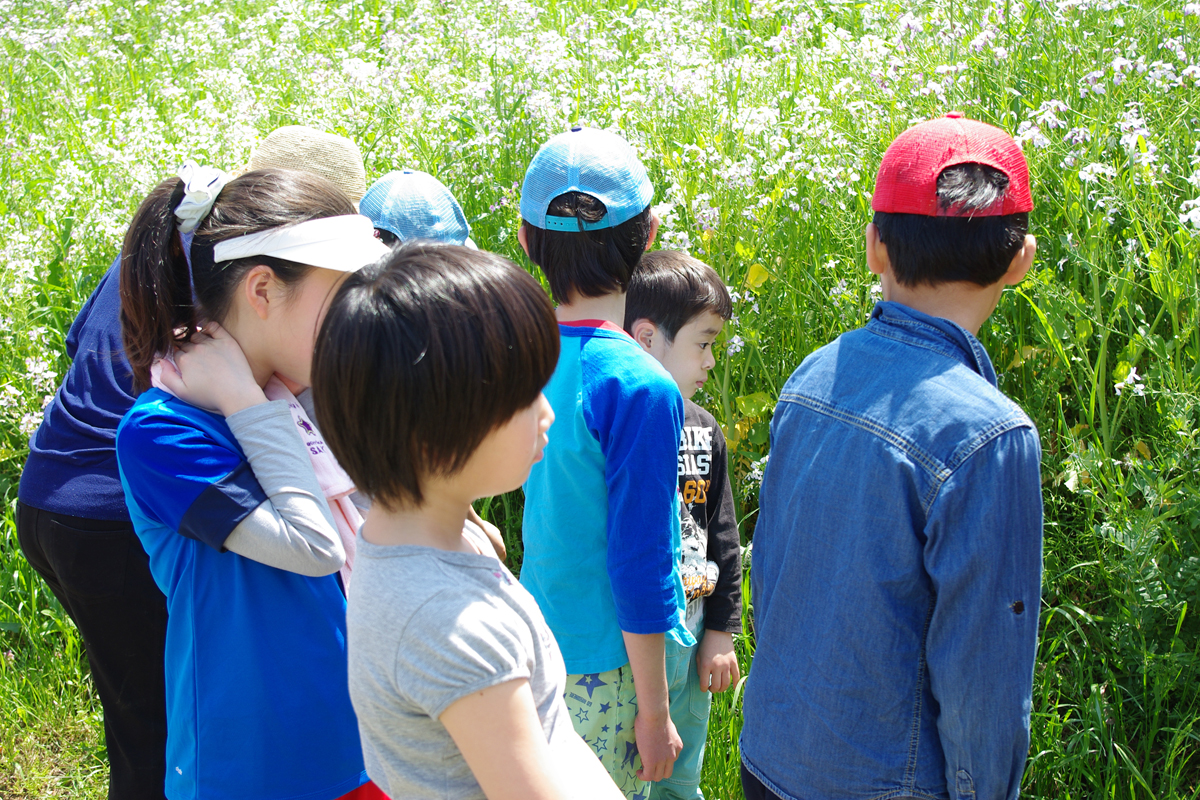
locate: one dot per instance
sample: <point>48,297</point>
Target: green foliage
<point>762,122</point>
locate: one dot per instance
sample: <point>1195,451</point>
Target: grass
<point>762,122</point>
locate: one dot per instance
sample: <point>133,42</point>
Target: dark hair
<point>590,263</point>
<point>387,237</point>
<point>977,249</point>
<point>670,288</point>
<point>158,307</point>
<point>421,356</point>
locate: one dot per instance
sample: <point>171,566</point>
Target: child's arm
<point>654,731</point>
<point>638,428</point>
<point>983,553</point>
<point>293,529</point>
<point>499,734</point>
<point>715,658</point>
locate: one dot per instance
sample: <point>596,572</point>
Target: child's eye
<point>704,345</point>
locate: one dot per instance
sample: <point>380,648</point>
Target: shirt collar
<point>935,333</point>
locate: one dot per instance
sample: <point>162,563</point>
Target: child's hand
<point>491,532</point>
<point>212,373</point>
<point>658,744</point>
<point>717,662</point>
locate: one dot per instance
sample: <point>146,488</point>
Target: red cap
<point>907,179</point>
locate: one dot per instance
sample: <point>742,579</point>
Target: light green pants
<point>603,708</point>
<point>690,706</point>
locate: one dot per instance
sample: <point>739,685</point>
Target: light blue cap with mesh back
<point>591,161</point>
<point>415,205</point>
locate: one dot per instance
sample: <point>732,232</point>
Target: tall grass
<point>762,122</point>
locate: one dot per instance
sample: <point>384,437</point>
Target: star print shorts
<point>603,707</point>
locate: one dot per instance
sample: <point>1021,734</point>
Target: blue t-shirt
<point>72,464</point>
<point>257,697</point>
<point>601,527</point>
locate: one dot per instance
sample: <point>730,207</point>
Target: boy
<point>601,527</point>
<point>897,556</point>
<point>675,308</point>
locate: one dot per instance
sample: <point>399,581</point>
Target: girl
<point>221,490</point>
<point>457,680</point>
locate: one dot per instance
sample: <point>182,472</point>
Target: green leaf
<point>755,405</point>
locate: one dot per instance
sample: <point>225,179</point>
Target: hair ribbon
<point>201,185</point>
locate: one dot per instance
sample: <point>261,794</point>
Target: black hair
<point>589,263</point>
<point>670,288</point>
<point>423,354</point>
<point>158,308</point>
<point>964,247</point>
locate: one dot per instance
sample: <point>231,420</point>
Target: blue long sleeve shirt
<point>72,464</point>
<point>601,524</point>
<point>896,573</point>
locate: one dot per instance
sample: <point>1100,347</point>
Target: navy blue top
<point>72,464</point>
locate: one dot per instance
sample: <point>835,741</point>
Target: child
<point>675,308</point>
<point>72,522</point>
<point>227,504</point>
<point>897,555</point>
<point>409,204</point>
<point>456,679</point>
<point>601,527</point>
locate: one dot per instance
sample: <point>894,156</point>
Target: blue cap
<point>591,161</point>
<point>415,205</point>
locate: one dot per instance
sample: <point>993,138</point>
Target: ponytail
<point>156,292</point>
<point>162,300</point>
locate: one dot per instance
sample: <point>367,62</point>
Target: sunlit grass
<point>762,122</point>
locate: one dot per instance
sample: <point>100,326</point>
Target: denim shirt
<point>896,573</point>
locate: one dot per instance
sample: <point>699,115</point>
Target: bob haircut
<point>963,247</point>
<point>589,263</point>
<point>422,355</point>
<point>670,288</point>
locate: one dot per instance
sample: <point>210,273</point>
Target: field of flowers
<point>762,122</point>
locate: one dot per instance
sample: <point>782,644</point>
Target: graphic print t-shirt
<point>711,560</point>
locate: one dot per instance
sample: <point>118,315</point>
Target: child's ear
<point>523,238</point>
<point>644,332</point>
<point>259,284</point>
<point>655,222</point>
<point>877,255</point>
<point>1022,261</point>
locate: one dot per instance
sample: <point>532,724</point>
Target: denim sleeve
<point>638,428</point>
<point>983,554</point>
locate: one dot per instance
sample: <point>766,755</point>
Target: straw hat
<point>326,154</point>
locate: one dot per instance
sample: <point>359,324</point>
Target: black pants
<point>753,788</point>
<point>99,571</point>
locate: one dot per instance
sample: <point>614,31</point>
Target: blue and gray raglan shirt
<point>601,526</point>
<point>255,660</point>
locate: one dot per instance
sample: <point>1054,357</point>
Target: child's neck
<point>437,522</point>
<point>959,301</point>
<point>609,307</point>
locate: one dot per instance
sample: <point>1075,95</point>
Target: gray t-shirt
<point>427,627</point>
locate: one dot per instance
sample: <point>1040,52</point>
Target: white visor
<point>344,244</point>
